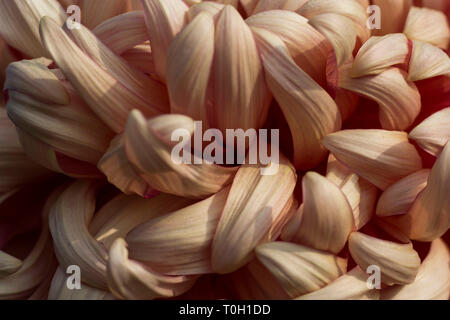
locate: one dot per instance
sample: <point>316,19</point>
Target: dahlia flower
<point>88,182</point>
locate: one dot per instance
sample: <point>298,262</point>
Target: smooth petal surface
<point>179,243</point>
<point>428,25</point>
<point>95,12</point>
<point>255,204</point>
<point>433,133</point>
<point>350,286</point>
<point>164,19</point>
<point>432,281</point>
<point>239,86</point>
<point>308,109</point>
<point>379,156</point>
<point>189,64</point>
<point>325,225</point>
<point>398,263</point>
<point>398,198</point>
<point>299,269</point>
<point>427,61</point>
<point>8,264</point>
<point>398,98</point>
<point>379,54</point>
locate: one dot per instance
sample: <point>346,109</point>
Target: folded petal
<point>255,204</point>
<point>398,263</point>
<point>148,147</point>
<point>398,98</point>
<point>382,157</point>
<point>398,198</point>
<point>131,280</point>
<point>427,61</point>
<point>164,19</point>
<point>8,264</point>
<point>308,109</point>
<point>432,281</point>
<point>379,54</point>
<point>74,245</point>
<point>325,225</point>
<point>428,25</point>
<point>299,269</point>
<point>109,87</point>
<point>433,133</point>
<point>350,286</point>
<point>428,218</point>
<point>19,24</point>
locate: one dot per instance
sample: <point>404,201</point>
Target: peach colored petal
<point>393,15</point>
<point>427,61</point>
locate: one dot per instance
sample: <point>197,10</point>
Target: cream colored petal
<point>308,109</point>
<point>369,196</point>
<point>299,269</point>
<point>267,5</point>
<point>325,225</point>
<point>16,168</point>
<point>233,3</point>
<point>308,47</point>
<point>432,281</point>
<point>140,57</point>
<point>164,19</point>
<point>61,121</point>
<point>429,218</point>
<point>109,98</point>
<point>74,245</point>
<point>189,63</point>
<point>60,291</point>
<point>255,204</point>
<point>350,286</point>
<point>179,243</point>
<point>393,15</point>
<point>148,147</point>
<point>339,31</point>
<point>379,54</point>
<point>398,98</point>
<point>19,23</point>
<point>398,263</point>
<point>428,25</point>
<point>427,61</point>
<point>347,8</point>
<point>123,213</point>
<point>95,12</point>
<point>433,133</point>
<point>398,198</point>
<point>120,172</point>
<point>122,32</point>
<point>238,75</point>
<point>382,157</point>
<point>131,280</point>
<point>8,264</point>
<point>213,8</point>
<point>34,269</point>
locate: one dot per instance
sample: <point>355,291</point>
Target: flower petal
<point>8,264</point>
<point>434,132</point>
<point>427,61</point>
<point>379,156</point>
<point>398,98</point>
<point>308,109</point>
<point>393,15</point>
<point>325,225</point>
<point>428,25</point>
<point>398,198</point>
<point>299,269</point>
<point>95,12</point>
<point>379,54</point>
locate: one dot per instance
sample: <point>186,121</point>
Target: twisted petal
<point>427,61</point>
